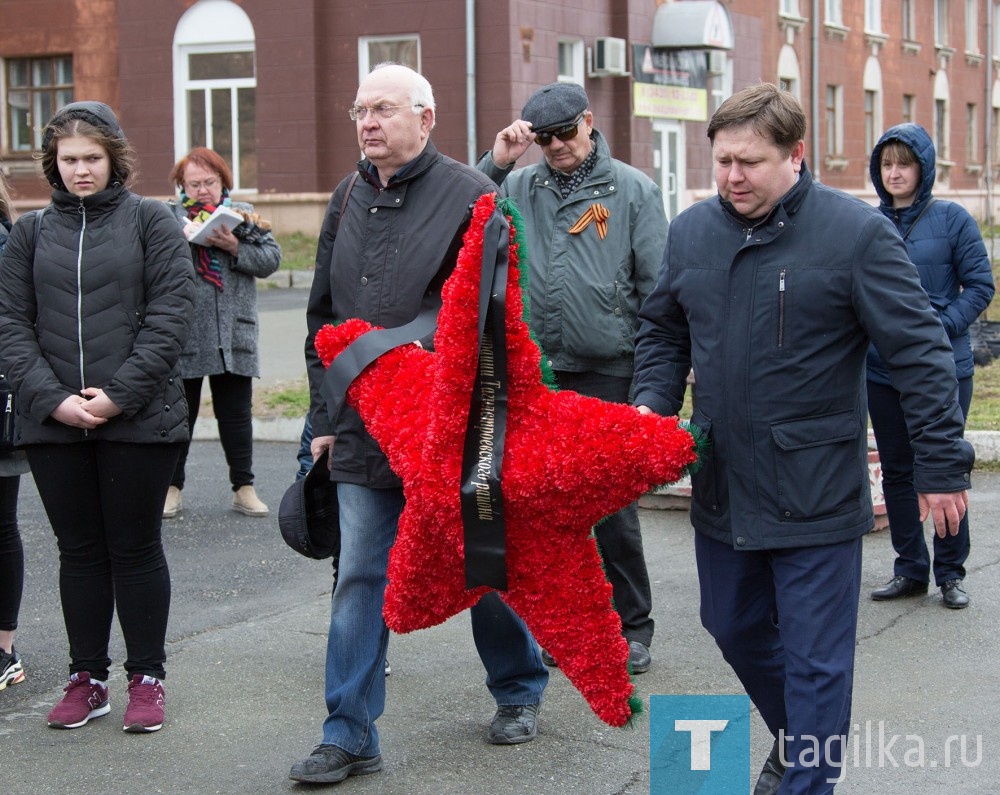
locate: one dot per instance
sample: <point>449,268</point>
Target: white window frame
<point>364,51</point>
<point>210,26</point>
<point>972,133</point>
<point>873,16</point>
<point>834,146</point>
<point>835,12</point>
<point>942,123</point>
<point>789,8</point>
<point>43,100</point>
<point>575,53</point>
<point>996,30</point>
<point>972,26</point>
<point>941,23</point>
<point>909,18</point>
<point>874,121</point>
<point>789,73</point>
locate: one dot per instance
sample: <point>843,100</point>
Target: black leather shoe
<point>771,774</point>
<point>547,659</point>
<point>514,724</point>
<point>639,657</point>
<point>328,764</point>
<point>954,595</point>
<point>898,587</point>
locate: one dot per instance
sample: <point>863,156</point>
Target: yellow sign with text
<point>670,102</point>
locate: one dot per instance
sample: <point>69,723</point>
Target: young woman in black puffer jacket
<point>94,306</point>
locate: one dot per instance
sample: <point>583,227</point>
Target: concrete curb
<point>265,429</point>
<point>986,444</point>
<point>281,279</point>
<point>289,429</point>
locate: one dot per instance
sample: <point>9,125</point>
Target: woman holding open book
<point>224,330</point>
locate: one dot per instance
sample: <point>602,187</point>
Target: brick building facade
<point>270,83</point>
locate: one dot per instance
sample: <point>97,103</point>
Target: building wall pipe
<point>814,90</point>
<point>470,79</point>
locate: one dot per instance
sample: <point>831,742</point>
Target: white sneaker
<point>246,502</point>
<point>172,505</point>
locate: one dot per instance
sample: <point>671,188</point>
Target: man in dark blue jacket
<point>771,292</point>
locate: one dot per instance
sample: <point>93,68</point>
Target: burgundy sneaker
<point>145,704</point>
<point>84,700</point>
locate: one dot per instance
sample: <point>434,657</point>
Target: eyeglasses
<point>360,112</point>
<point>567,133</point>
<point>208,184</point>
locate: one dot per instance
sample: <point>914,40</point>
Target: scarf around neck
<point>207,263</point>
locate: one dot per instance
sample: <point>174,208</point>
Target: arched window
<point>942,124</point>
<point>789,74</point>
<point>215,86</point>
<point>873,103</point>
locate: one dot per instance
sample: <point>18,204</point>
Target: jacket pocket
<point>705,482</point>
<point>245,334</point>
<point>816,462</point>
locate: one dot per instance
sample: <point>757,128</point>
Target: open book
<point>222,216</point>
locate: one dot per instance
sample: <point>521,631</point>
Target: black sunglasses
<point>567,133</point>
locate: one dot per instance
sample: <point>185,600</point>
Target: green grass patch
<point>298,251</point>
<point>290,401</point>
<point>984,414</point>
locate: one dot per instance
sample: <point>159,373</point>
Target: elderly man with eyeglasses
<point>391,235</point>
<point>596,231</point>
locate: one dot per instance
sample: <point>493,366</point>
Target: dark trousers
<point>619,536</point>
<point>232,402</point>
<point>901,506</point>
<point>786,621</point>
<point>304,456</point>
<point>11,555</point>
<point>104,501</point>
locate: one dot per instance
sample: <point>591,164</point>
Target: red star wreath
<point>568,461</point>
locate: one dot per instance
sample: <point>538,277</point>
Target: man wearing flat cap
<point>596,231</point>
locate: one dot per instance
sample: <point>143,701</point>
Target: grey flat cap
<point>555,105</point>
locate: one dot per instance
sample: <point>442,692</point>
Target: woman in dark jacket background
<point>13,464</point>
<point>944,242</point>
<point>94,306</point>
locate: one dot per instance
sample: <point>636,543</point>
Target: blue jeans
<point>359,639</point>
<point>304,456</point>
<point>901,506</point>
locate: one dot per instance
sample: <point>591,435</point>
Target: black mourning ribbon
<point>369,346</point>
<point>481,494</point>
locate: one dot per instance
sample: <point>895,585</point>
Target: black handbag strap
<point>347,195</point>
<point>919,216</point>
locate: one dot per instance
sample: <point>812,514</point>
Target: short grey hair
<point>421,92</point>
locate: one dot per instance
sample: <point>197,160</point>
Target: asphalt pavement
<point>246,651</point>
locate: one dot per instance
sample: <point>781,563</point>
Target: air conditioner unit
<point>717,62</point>
<point>608,57</point>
